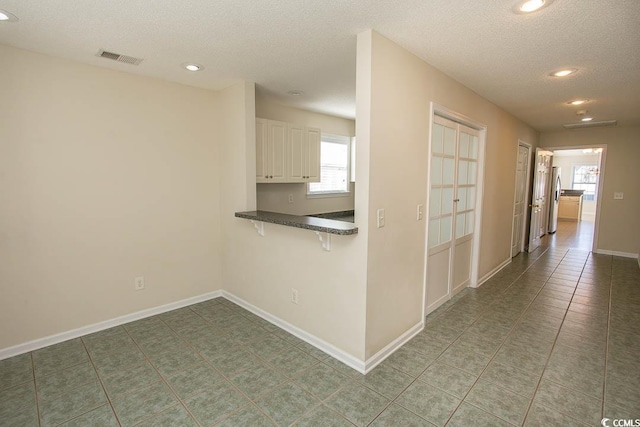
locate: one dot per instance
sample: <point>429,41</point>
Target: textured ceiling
<point>310,45</point>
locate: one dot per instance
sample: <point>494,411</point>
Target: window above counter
<point>335,162</point>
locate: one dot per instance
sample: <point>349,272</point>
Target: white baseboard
<point>617,253</point>
<point>388,350</point>
<point>435,305</point>
<point>346,358</point>
<point>493,272</point>
<point>331,350</point>
<point>96,327</point>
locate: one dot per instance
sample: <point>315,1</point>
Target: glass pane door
<point>443,148</point>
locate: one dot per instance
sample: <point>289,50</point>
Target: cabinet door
<point>297,151</point>
<point>568,208</point>
<point>313,155</point>
<point>277,151</point>
<point>262,148</point>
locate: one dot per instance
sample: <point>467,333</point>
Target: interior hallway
<point>551,340</point>
<point>572,234</point>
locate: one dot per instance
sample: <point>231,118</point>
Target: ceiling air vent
<point>590,124</point>
<point>120,58</point>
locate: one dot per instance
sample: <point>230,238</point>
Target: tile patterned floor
<point>551,340</point>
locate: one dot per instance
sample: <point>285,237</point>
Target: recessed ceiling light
<point>528,6</point>
<point>193,67</point>
<point>295,92</point>
<point>7,16</point>
<point>578,102</point>
<point>564,73</point>
<point>586,119</point>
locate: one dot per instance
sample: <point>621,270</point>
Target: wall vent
<point>118,57</point>
<point>590,124</point>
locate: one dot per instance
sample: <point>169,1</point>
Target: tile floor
<point>552,340</point>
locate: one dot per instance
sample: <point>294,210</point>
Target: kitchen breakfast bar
<point>323,227</point>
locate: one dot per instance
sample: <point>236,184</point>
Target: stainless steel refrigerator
<point>554,199</point>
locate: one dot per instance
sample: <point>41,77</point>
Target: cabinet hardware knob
<point>456,200</point>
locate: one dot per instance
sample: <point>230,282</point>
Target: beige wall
<point>262,270</point>
<point>275,197</point>
<point>104,176</point>
<point>399,93</point>
<point>619,228</point>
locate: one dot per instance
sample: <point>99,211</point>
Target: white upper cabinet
<point>286,152</point>
<point>313,144</point>
<point>271,151</point>
<point>297,156</point>
<point>304,154</point>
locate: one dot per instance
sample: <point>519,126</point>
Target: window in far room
<point>585,177</point>
<point>334,167</point>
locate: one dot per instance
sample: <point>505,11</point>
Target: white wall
<point>619,228</point>
<point>329,124</point>
<point>262,270</point>
<point>394,129</point>
<point>275,197</point>
<point>104,176</point>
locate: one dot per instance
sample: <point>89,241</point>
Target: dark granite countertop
<point>571,192</point>
<point>348,216</point>
<point>306,222</point>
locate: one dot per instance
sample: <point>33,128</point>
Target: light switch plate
<point>420,213</point>
<point>381,218</point>
<point>618,196</point>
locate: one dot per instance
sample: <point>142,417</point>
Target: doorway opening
<point>573,206</point>
<point>579,171</point>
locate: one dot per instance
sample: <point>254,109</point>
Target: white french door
<point>453,188</point>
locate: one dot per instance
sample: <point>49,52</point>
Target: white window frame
<point>334,139</point>
<point>595,184</point>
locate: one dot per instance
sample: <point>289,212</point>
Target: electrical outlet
<point>294,295</point>
<point>290,198</point>
<point>381,219</point>
<point>618,196</point>
<point>139,283</point>
<point>420,213</point>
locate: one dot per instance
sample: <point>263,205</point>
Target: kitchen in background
<point>579,172</point>
<point>305,162</point>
